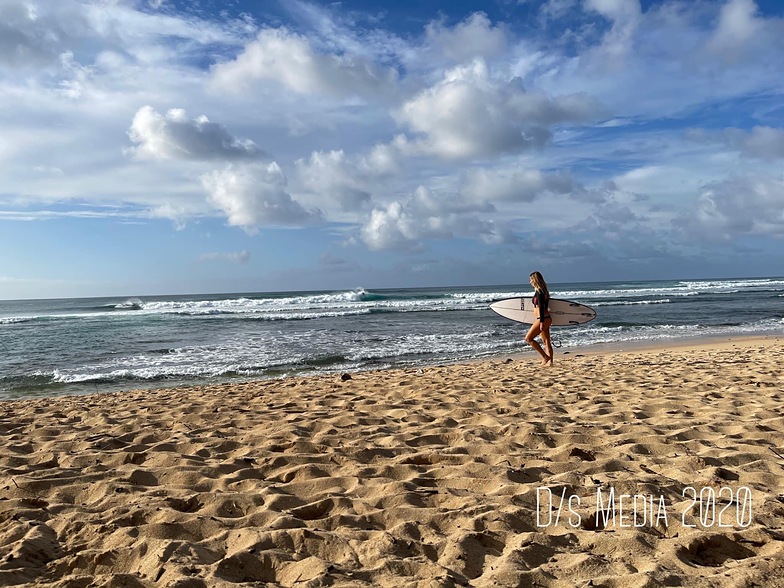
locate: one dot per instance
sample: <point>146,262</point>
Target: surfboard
<point>565,313</point>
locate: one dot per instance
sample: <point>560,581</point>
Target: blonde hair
<point>539,283</point>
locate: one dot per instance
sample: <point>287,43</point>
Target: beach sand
<point>441,476</point>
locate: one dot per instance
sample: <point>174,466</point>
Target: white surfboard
<point>565,313</point>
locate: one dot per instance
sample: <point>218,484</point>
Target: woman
<point>543,320</point>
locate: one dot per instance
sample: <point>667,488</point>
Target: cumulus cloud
<point>514,184</point>
<point>252,196</point>
<point>403,225</point>
<point>239,257</point>
<point>474,37</point>
<point>617,43</point>
<point>738,26</point>
<point>289,59</point>
<point>175,136</point>
<point>759,142</point>
<point>348,181</point>
<point>332,175</point>
<point>461,116</point>
<point>740,206</point>
<point>470,114</point>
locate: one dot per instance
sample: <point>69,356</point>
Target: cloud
<point>239,257</point>
<point>514,184</point>
<point>30,36</point>
<point>281,56</point>
<point>470,114</point>
<point>742,206</point>
<point>332,175</point>
<point>555,9</point>
<point>35,34</point>
<point>737,29</point>
<point>759,142</point>
<point>252,196</point>
<point>672,59</point>
<point>83,213</point>
<point>485,117</point>
<point>473,37</point>
<point>174,136</point>
<point>403,225</point>
<point>617,43</point>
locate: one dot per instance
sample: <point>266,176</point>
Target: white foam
<point>12,320</point>
<point>682,288</point>
<point>632,302</point>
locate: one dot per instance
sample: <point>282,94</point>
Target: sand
<point>443,476</point>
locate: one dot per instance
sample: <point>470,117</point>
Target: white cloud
<point>35,35</point>
<point>252,196</point>
<point>759,142</point>
<point>330,174</point>
<point>514,184</point>
<point>672,59</point>
<point>738,26</point>
<point>456,119</point>
<point>741,206</point>
<point>239,257</point>
<point>555,9</point>
<point>154,38</point>
<point>289,59</point>
<point>403,225</point>
<point>473,37</point>
<point>177,212</point>
<point>350,182</point>
<point>175,136</point>
<point>382,160</point>
<point>617,43</point>
<point>470,114</point>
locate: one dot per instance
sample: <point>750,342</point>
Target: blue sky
<point>165,146</point>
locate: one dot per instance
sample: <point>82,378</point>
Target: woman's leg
<point>530,338</point>
<point>548,342</point>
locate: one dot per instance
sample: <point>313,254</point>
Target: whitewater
<point>86,345</point>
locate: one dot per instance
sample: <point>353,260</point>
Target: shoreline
<point>436,476</point>
<point>683,344</point>
<point>696,342</point>
<point>693,343</point>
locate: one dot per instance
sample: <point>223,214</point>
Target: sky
<point>170,146</point>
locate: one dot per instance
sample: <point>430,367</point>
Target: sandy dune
<point>435,477</point>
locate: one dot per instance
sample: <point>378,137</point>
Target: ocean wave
<point>306,316</point>
<point>317,306</point>
<point>360,301</point>
<point>736,284</point>
<point>480,299</point>
<point>618,333</point>
<point>148,374</point>
<point>70,316</point>
<point>632,302</point>
<point>130,304</point>
<point>15,320</point>
<point>679,288</point>
<point>588,295</point>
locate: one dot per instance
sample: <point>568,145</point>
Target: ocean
<point>89,345</point>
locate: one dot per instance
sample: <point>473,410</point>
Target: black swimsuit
<point>541,301</point>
